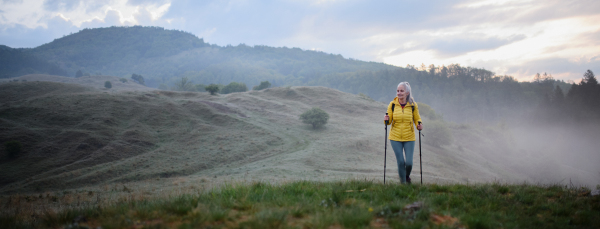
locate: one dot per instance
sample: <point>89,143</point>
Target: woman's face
<point>401,92</point>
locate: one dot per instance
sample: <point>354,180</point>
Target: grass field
<point>342,204</point>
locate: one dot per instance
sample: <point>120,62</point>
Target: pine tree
<point>559,96</point>
<point>589,78</point>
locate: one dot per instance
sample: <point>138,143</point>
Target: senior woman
<point>402,135</point>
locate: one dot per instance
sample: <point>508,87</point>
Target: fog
<point>557,153</point>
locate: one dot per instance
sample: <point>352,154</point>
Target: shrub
<point>315,116</point>
<point>438,133</point>
<point>234,87</point>
<point>123,80</point>
<point>13,148</point>
<point>107,84</point>
<point>428,112</point>
<point>213,89</point>
<point>263,85</point>
<point>138,78</point>
<point>185,85</point>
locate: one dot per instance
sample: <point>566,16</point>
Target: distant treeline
<point>166,57</point>
<point>462,94</point>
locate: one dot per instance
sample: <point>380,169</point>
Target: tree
<point>138,78</point>
<point>185,85</point>
<point>107,84</point>
<point>78,74</point>
<point>13,148</point>
<point>315,116</point>
<point>213,89</point>
<point>234,87</point>
<point>559,96</point>
<point>263,85</point>
<point>589,78</point>
<point>542,78</point>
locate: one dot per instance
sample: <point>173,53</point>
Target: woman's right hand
<point>386,118</point>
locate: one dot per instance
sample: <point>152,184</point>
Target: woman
<point>402,135</point>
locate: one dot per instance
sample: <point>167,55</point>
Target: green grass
<point>307,204</point>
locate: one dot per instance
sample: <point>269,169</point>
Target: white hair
<point>409,97</point>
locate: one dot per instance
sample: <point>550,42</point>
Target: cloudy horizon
<point>518,38</point>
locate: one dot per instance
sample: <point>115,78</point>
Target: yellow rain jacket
<point>403,121</point>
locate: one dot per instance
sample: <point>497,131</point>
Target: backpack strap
<point>394,106</point>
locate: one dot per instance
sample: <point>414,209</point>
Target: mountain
<point>163,56</point>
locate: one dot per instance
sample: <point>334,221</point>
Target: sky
<point>517,38</point>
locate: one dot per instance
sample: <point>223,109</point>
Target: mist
<point>558,153</point>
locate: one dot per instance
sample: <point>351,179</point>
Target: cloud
<point>20,36</point>
<point>237,21</point>
<point>12,1</point>
<point>448,47</point>
<point>499,35</point>
<point>56,5</point>
<point>147,2</point>
<point>560,68</point>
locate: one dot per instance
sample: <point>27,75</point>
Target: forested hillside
<point>18,62</point>
<point>462,94</point>
<point>164,56</point>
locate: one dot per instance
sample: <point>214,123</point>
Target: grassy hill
<point>76,136</point>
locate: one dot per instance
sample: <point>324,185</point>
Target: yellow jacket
<point>403,121</point>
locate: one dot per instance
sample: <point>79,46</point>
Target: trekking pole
<point>420,160</point>
<point>385,151</point>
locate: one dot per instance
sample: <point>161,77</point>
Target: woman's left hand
<point>420,126</point>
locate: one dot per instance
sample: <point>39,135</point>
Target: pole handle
<point>386,121</point>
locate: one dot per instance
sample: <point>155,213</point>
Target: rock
<point>595,192</point>
<point>412,207</point>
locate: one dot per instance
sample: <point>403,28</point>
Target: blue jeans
<point>404,166</point>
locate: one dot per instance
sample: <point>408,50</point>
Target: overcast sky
<point>518,38</point>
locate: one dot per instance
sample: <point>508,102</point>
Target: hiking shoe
<point>407,179</point>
